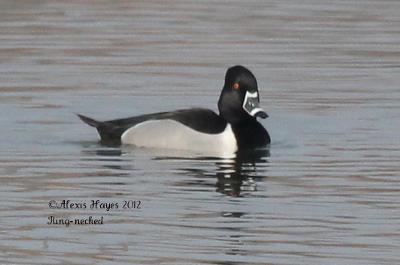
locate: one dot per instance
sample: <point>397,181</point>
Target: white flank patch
<point>170,134</point>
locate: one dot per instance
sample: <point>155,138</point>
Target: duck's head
<point>239,99</point>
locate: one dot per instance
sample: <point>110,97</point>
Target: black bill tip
<point>262,114</point>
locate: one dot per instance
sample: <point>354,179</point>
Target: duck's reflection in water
<point>240,173</point>
<point>234,175</point>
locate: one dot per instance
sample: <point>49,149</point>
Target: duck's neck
<point>250,134</point>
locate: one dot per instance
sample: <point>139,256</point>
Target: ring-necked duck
<point>235,128</point>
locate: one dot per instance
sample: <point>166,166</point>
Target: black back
<point>202,120</point>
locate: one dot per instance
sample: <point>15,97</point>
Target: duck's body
<point>235,128</point>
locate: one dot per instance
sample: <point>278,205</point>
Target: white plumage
<point>170,134</point>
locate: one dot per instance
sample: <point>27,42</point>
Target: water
<point>327,193</point>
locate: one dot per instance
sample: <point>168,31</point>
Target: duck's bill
<point>251,105</point>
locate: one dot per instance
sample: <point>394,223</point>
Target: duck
<point>235,128</point>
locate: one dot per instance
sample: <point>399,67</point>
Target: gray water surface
<point>327,192</point>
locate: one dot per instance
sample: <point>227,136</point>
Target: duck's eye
<point>236,86</point>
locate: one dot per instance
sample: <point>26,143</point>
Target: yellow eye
<point>236,86</point>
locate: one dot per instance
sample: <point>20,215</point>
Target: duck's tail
<point>109,134</point>
<point>89,121</point>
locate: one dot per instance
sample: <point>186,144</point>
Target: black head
<point>239,99</point>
